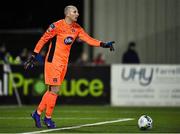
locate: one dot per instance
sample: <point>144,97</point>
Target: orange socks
<point>48,102</point>
<point>51,104</point>
<point>43,103</point>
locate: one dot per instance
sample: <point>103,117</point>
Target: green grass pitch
<point>75,119</point>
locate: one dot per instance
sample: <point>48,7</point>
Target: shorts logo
<point>55,80</point>
<point>68,40</point>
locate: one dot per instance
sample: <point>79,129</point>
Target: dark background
<point>35,14</point>
<point>28,15</point>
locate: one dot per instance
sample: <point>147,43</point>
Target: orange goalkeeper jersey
<point>62,36</point>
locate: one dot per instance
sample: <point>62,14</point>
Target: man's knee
<point>54,89</point>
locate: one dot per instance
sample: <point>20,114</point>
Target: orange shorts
<point>54,74</point>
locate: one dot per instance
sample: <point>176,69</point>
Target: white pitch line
<point>80,126</point>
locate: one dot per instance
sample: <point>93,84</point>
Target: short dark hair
<point>66,9</point>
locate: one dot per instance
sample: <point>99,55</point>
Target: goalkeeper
<point>61,34</point>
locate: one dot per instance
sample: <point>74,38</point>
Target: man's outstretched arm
<point>108,45</point>
<point>93,42</point>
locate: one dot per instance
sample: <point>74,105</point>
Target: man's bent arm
<point>50,33</point>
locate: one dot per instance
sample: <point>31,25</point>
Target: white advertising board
<point>145,85</point>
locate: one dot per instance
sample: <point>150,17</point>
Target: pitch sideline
<point>80,126</point>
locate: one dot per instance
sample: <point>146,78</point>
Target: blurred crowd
<point>99,59</point>
<point>130,56</point>
<point>7,57</point>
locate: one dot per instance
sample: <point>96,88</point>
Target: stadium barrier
<point>145,85</point>
<point>118,85</point>
<point>82,85</point>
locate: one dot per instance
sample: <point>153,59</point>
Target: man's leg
<point>36,114</point>
<point>43,103</point>
<point>54,78</point>
<point>53,94</point>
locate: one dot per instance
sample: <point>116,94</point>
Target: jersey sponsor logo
<point>51,27</point>
<point>68,40</point>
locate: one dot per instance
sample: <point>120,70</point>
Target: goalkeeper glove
<point>108,45</point>
<point>31,62</point>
